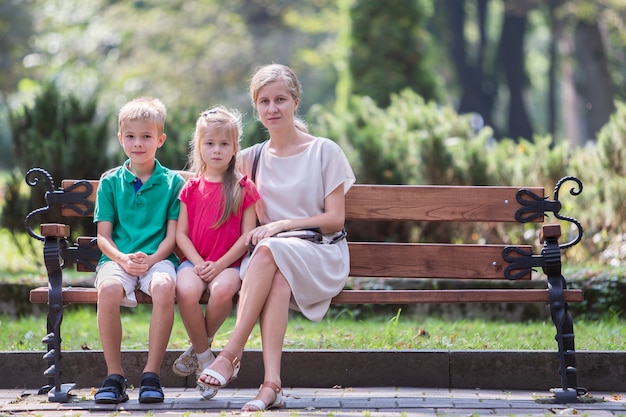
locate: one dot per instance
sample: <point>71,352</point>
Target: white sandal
<point>260,405</point>
<point>234,361</point>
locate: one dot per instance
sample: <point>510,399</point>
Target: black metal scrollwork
<point>33,177</point>
<point>573,191</point>
<point>523,263</point>
<point>73,199</point>
<point>534,206</point>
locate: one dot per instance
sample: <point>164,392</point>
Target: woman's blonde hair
<point>268,74</point>
<point>219,120</point>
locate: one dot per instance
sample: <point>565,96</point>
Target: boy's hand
<point>135,264</point>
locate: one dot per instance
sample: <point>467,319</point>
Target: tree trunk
<point>595,85</point>
<point>477,93</point>
<point>511,58</point>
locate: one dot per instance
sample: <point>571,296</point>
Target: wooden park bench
<point>469,262</point>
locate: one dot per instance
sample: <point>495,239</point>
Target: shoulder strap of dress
<point>255,163</point>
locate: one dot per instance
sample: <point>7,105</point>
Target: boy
<point>136,213</point>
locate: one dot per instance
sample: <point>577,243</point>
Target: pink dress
<point>294,187</point>
<point>204,203</point>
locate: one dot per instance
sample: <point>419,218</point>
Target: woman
<point>302,181</point>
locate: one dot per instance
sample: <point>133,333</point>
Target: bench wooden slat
<point>451,296</point>
<point>434,203</point>
<point>410,202</point>
<point>428,260</point>
<point>406,260</point>
<point>84,295</point>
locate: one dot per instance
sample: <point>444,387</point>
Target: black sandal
<point>150,391</point>
<point>113,390</point>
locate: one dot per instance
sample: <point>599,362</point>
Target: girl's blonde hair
<point>226,122</point>
<point>268,74</point>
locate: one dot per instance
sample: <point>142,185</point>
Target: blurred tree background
<point>416,91</point>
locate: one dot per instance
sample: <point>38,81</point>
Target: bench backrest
<point>396,203</point>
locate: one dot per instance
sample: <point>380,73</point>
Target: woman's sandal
<point>234,361</point>
<point>260,405</point>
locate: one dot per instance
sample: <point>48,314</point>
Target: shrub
<point>62,134</point>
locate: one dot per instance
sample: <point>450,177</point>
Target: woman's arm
<point>332,220</point>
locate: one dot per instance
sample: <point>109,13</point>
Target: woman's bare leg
<point>254,292</point>
<point>274,319</point>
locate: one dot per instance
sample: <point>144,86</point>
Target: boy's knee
<point>162,284</point>
<point>110,290</point>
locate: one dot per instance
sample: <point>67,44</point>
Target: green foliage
<point>60,133</point>
<point>409,142</point>
<point>604,289</point>
<point>16,26</point>
<point>388,50</point>
<point>179,126</point>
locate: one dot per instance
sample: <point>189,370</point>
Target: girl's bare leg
<point>222,290</point>
<point>189,289</point>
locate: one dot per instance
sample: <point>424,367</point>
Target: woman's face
<point>276,106</point>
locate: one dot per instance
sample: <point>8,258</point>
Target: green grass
<point>79,331</point>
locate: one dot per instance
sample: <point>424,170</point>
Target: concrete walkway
<point>335,402</point>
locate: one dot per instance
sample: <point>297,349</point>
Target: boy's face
<point>140,140</point>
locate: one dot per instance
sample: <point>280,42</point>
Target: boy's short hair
<point>148,109</point>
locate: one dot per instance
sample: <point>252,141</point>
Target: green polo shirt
<point>139,217</point>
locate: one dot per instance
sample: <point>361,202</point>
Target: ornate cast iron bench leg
<point>562,319</point>
<point>57,392</point>
<point>54,237</point>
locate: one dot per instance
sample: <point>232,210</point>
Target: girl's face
<point>217,151</point>
<point>276,106</point>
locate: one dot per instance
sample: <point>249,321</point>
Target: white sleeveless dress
<point>294,187</point>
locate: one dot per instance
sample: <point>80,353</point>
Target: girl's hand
<point>210,271</point>
<point>198,268</point>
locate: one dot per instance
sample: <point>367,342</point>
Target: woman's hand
<point>267,230</point>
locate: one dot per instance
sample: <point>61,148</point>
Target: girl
<point>302,180</point>
<point>216,213</point>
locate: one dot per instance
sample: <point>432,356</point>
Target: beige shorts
<point>112,270</point>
